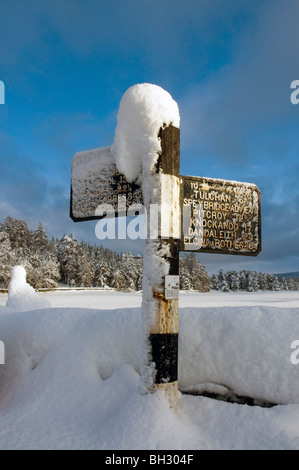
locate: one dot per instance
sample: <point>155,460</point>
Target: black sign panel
<point>220,216</point>
<point>109,191</point>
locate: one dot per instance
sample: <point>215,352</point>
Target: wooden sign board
<point>220,216</point>
<point>217,216</point>
<point>96,181</point>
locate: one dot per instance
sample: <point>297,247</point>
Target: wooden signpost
<point>202,215</point>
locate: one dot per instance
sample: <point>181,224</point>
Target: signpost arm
<point>160,310</point>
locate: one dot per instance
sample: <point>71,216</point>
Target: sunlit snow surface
<point>71,378</point>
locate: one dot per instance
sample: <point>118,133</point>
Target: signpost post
<point>194,214</point>
<point>161,289</point>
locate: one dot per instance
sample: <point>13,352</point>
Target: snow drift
<point>72,379</point>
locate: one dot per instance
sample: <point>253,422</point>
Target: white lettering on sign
<point>220,216</point>
<point>172,287</point>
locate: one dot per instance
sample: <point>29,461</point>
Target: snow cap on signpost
<point>143,110</point>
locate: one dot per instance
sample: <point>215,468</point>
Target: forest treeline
<point>251,281</point>
<point>66,261</point>
<point>78,264</point>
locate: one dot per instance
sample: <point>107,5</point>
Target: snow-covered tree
<point>194,274</point>
<point>105,262</point>
<point>223,283</point>
<point>68,258</point>
<point>185,278</point>
<point>273,282</point>
<point>128,274</point>
<point>19,234</point>
<point>289,283</point>
<point>234,280</point>
<point>43,270</point>
<point>39,239</point>
<point>7,259</point>
<point>215,282</point>
<point>30,250</point>
<point>252,281</point>
<point>262,281</point>
<point>85,270</point>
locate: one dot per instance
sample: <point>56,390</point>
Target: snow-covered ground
<point>71,373</point>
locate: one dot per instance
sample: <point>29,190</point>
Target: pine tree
<point>32,251</point>
<point>223,284</point>
<point>262,281</point>
<point>234,281</point>
<point>44,267</point>
<point>276,284</point>
<point>243,280</point>
<point>128,274</point>
<point>273,282</point>
<point>215,282</point>
<point>68,257</point>
<point>85,270</point>
<point>195,276</point>
<point>252,281</point>
<point>119,281</point>
<point>103,274</point>
<point>105,262</point>
<point>39,239</point>
<point>19,234</point>
<point>7,259</point>
<point>185,278</point>
<point>290,284</point>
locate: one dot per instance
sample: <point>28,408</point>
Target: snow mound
<point>71,378</point>
<point>22,296</point>
<point>143,110</point>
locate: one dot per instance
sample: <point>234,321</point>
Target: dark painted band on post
<point>173,249</point>
<point>165,355</point>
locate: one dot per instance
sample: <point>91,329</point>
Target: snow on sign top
<point>143,110</point>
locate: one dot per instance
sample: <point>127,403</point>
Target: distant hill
<point>294,274</point>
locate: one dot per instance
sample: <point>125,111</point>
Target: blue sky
<point>229,66</point>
